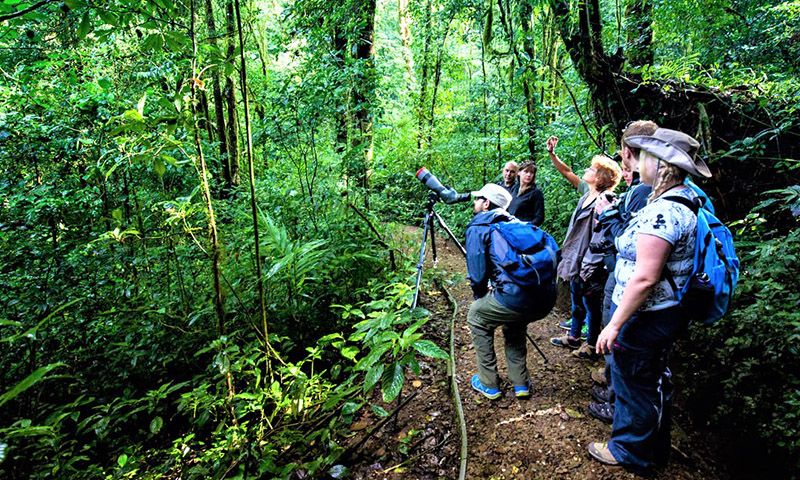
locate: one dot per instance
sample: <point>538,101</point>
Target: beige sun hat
<point>674,147</point>
<point>495,194</point>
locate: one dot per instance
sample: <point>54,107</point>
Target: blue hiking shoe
<point>490,393</point>
<point>523,391</point>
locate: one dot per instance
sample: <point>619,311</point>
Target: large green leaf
<point>429,349</point>
<point>159,167</point>
<point>374,374</point>
<point>156,424</point>
<point>392,382</point>
<point>85,26</point>
<point>374,355</point>
<point>28,382</point>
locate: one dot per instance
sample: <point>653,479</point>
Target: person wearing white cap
<point>505,305</point>
<point>645,316</point>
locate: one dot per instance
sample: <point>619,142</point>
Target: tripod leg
<point>433,239</point>
<point>450,234</point>
<point>428,222</point>
<point>536,347</point>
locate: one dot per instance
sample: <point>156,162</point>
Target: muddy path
<point>543,437</point>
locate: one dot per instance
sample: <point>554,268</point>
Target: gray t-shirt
<point>668,220</point>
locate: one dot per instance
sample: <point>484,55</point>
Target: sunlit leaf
<point>156,424</point>
<point>429,349</point>
<point>392,382</point>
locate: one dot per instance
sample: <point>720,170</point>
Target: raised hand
<point>551,144</point>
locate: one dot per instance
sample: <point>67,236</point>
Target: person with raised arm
<point>581,268</point>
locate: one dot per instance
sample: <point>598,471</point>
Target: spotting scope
<point>446,194</point>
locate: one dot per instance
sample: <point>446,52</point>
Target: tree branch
<point>20,13</point>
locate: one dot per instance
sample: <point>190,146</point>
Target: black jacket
<point>528,207</point>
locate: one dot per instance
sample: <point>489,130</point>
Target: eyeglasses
<point>591,169</point>
<point>482,199</point>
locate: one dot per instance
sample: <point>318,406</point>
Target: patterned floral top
<point>668,220</point>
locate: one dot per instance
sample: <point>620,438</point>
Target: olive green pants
<point>485,315</point>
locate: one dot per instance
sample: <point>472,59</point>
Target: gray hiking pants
<point>485,315</point>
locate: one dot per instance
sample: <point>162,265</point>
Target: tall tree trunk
<point>405,39</point>
<point>340,122</point>
<point>423,81</point>
<point>639,33</point>
<point>364,95</point>
<point>219,105</point>
<point>205,120</point>
<point>524,16</point>
<point>525,21</point>
<point>259,279</point>
<point>234,155</point>
<point>203,171</point>
<point>437,76</point>
<point>485,38</point>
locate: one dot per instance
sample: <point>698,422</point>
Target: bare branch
<point>20,13</point>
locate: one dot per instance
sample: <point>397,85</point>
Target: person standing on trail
<point>646,318</point>
<point>613,218</point>
<point>583,269</point>
<point>503,304</point>
<point>509,181</point>
<point>527,203</point>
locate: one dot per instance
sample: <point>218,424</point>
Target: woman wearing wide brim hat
<point>646,319</point>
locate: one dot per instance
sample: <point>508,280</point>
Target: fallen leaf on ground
<point>574,413</point>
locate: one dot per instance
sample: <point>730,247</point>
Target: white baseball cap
<point>495,194</point>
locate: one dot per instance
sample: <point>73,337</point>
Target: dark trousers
<point>608,310</point>
<point>640,438</point>
<point>585,308</point>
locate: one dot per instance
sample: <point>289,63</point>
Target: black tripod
<point>430,215</point>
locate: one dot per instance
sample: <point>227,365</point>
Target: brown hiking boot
<point>585,352</point>
<point>599,376</point>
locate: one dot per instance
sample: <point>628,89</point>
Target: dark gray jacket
<point>576,243</point>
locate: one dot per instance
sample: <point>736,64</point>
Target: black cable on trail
<point>451,372</point>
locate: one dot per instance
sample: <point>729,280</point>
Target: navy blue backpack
<point>527,254</point>
<point>707,294</point>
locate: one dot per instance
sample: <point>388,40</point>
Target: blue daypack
<point>527,254</point>
<point>701,195</point>
<point>707,294</point>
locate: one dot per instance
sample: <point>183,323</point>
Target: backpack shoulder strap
<point>693,205</point>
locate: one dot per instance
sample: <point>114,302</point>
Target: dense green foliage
<point>131,300</point>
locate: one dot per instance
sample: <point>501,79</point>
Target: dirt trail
<point>543,437</point>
